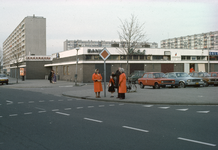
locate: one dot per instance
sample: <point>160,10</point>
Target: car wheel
<point>141,86</point>
<point>206,84</point>
<point>182,84</point>
<point>156,86</point>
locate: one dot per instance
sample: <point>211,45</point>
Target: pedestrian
<point>111,86</point>
<point>97,78</point>
<point>50,76</point>
<point>192,70</point>
<point>117,75</point>
<point>53,77</point>
<point>122,84</point>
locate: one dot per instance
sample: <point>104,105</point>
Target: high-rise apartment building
<point>27,39</point>
<point>71,44</point>
<point>197,41</point>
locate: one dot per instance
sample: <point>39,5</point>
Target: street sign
<point>104,54</point>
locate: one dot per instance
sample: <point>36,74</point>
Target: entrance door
<point>167,68</point>
<point>101,70</point>
<point>134,67</point>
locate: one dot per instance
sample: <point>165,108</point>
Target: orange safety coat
<point>122,83</point>
<point>192,70</point>
<point>97,82</point>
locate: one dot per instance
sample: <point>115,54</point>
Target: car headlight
<point>201,80</point>
<point>188,80</point>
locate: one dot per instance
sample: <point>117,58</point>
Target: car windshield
<point>2,75</point>
<point>158,75</point>
<point>206,74</point>
<point>181,75</point>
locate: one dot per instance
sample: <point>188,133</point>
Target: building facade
<point>147,59</point>
<point>28,38</point>
<point>197,41</point>
<point>71,44</point>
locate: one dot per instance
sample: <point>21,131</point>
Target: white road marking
<point>182,109</point>
<point>9,102</point>
<point>0,104</point>
<point>147,105</point>
<point>111,105</point>
<point>28,113</point>
<point>194,141</point>
<point>39,108</point>
<point>60,100</point>
<point>66,86</point>
<point>90,106</point>
<point>63,113</point>
<point>41,111</point>
<point>79,107</point>
<point>20,102</point>
<point>135,129</point>
<point>31,101</point>
<point>163,107</point>
<point>55,110</point>
<point>51,100</point>
<point>0,116</point>
<point>99,121</point>
<point>67,109</point>
<point>41,101</point>
<point>101,106</point>
<point>203,112</point>
<point>12,115</point>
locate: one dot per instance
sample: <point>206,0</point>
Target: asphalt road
<point>33,120</point>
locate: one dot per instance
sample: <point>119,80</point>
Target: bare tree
<point>130,34</point>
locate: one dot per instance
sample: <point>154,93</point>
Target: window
<point>188,57</point>
<point>135,57</point>
<point>183,57</point>
<point>145,76</point>
<point>157,57</point>
<point>88,57</point>
<point>122,57</point>
<point>193,57</point>
<point>96,57</point>
<point>68,70</point>
<point>141,57</point>
<point>150,75</point>
<point>64,70</point>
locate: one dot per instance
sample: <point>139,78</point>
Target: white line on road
<point>79,107</point>
<point>135,129</point>
<point>0,116</point>
<point>163,107</point>
<point>60,100</point>
<point>182,109</point>
<point>63,113</point>
<point>90,106</point>
<point>194,141</point>
<point>12,115</point>
<point>55,110</point>
<point>93,120</point>
<point>101,106</point>
<point>9,102</point>
<point>28,113</point>
<point>31,101</point>
<point>147,105</point>
<point>67,108</point>
<point>20,102</point>
<point>41,111</point>
<point>39,108</point>
<point>111,105</point>
<point>41,101</point>
<point>203,112</point>
<point>51,100</point>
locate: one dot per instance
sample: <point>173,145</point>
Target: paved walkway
<point>175,96</point>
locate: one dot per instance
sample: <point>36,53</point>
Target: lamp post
<point>77,48</point>
<point>208,60</point>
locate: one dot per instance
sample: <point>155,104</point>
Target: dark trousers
<point>118,92</point>
<point>122,95</point>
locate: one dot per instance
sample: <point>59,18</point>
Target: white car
<point>3,79</point>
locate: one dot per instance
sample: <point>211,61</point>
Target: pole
<point>76,66</point>
<point>208,61</point>
<point>104,78</point>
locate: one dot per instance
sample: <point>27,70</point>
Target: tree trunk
<point>17,74</point>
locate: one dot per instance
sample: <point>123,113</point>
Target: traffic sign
<point>104,54</point>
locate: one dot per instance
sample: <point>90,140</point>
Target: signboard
<point>213,53</point>
<point>104,54</point>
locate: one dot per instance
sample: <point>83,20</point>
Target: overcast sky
<point>99,19</point>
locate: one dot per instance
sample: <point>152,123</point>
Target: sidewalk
<point>148,95</point>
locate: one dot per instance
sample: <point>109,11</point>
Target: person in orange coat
<point>122,84</point>
<point>97,78</point>
<point>192,70</point>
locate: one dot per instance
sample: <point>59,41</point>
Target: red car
<point>213,74</point>
<point>155,79</point>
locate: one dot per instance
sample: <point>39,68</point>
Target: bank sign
<point>213,53</point>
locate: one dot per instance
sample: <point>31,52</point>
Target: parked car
<point>3,79</point>
<point>208,80</point>
<point>213,74</point>
<point>155,79</point>
<point>182,79</point>
<point>133,77</point>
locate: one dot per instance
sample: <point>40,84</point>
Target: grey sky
<point>99,19</point>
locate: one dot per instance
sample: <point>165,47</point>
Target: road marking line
<point>0,116</point>
<point>67,108</point>
<point>41,101</point>
<point>90,106</point>
<point>51,100</point>
<point>182,109</point>
<point>12,115</point>
<point>79,107</point>
<point>63,113</point>
<point>41,111</point>
<point>135,129</point>
<point>28,113</point>
<point>0,104</point>
<point>194,141</point>
<point>99,121</point>
<point>60,100</point>
<point>203,112</point>
<point>9,102</point>
<point>31,101</point>
<point>163,107</point>
<point>147,105</point>
<point>39,108</point>
<point>55,110</point>
<point>101,106</point>
<point>111,105</point>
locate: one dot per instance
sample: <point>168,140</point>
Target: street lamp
<point>77,48</point>
<point>208,60</point>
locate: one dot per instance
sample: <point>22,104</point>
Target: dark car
<point>3,79</point>
<point>133,77</point>
<point>182,79</point>
<point>208,80</point>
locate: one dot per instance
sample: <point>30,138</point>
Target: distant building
<point>71,44</point>
<point>197,41</point>
<point>27,39</point>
